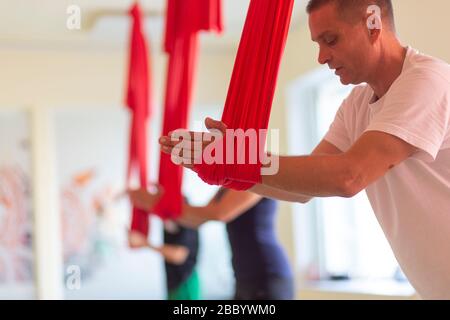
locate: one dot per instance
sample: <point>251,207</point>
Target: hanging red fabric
<point>185,19</point>
<point>137,100</point>
<point>252,89</point>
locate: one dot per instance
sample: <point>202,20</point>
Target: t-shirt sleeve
<point>338,134</point>
<point>418,112</point>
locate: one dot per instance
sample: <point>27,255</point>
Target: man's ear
<point>374,34</point>
<point>373,21</point>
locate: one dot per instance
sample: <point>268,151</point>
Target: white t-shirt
<point>411,201</point>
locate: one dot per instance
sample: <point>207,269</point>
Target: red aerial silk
<point>252,88</point>
<point>137,100</point>
<point>185,18</point>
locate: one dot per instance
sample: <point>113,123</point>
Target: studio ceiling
<point>42,23</point>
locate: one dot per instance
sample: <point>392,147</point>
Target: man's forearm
<point>312,176</point>
<point>278,194</point>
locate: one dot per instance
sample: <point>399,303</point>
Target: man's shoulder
<point>426,66</point>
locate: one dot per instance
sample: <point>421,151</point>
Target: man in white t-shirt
<point>391,137</point>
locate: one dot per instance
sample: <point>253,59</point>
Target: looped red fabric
<point>231,163</point>
<point>185,19</point>
<point>252,88</point>
<point>138,102</point>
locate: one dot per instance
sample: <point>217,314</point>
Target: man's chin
<point>344,81</point>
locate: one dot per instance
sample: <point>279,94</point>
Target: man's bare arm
<point>327,175</point>
<point>344,174</point>
<point>323,148</point>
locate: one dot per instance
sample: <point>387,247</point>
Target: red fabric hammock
<point>185,19</point>
<point>252,88</point>
<point>137,100</point>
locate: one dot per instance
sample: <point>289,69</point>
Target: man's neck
<point>388,69</point>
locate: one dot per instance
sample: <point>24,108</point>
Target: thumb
<point>214,124</point>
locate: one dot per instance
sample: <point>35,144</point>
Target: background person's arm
<point>172,253</point>
<point>225,208</point>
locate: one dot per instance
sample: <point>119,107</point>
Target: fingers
<point>137,192</point>
<point>190,140</point>
<point>176,147</point>
<point>214,124</point>
<point>185,151</point>
<point>133,193</point>
<point>186,147</point>
<point>187,160</point>
<point>179,135</point>
<point>143,199</point>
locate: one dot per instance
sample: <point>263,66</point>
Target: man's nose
<point>324,55</point>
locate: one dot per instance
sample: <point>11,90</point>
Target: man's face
<point>344,46</point>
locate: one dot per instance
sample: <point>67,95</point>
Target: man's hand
<point>143,199</point>
<point>188,146</point>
